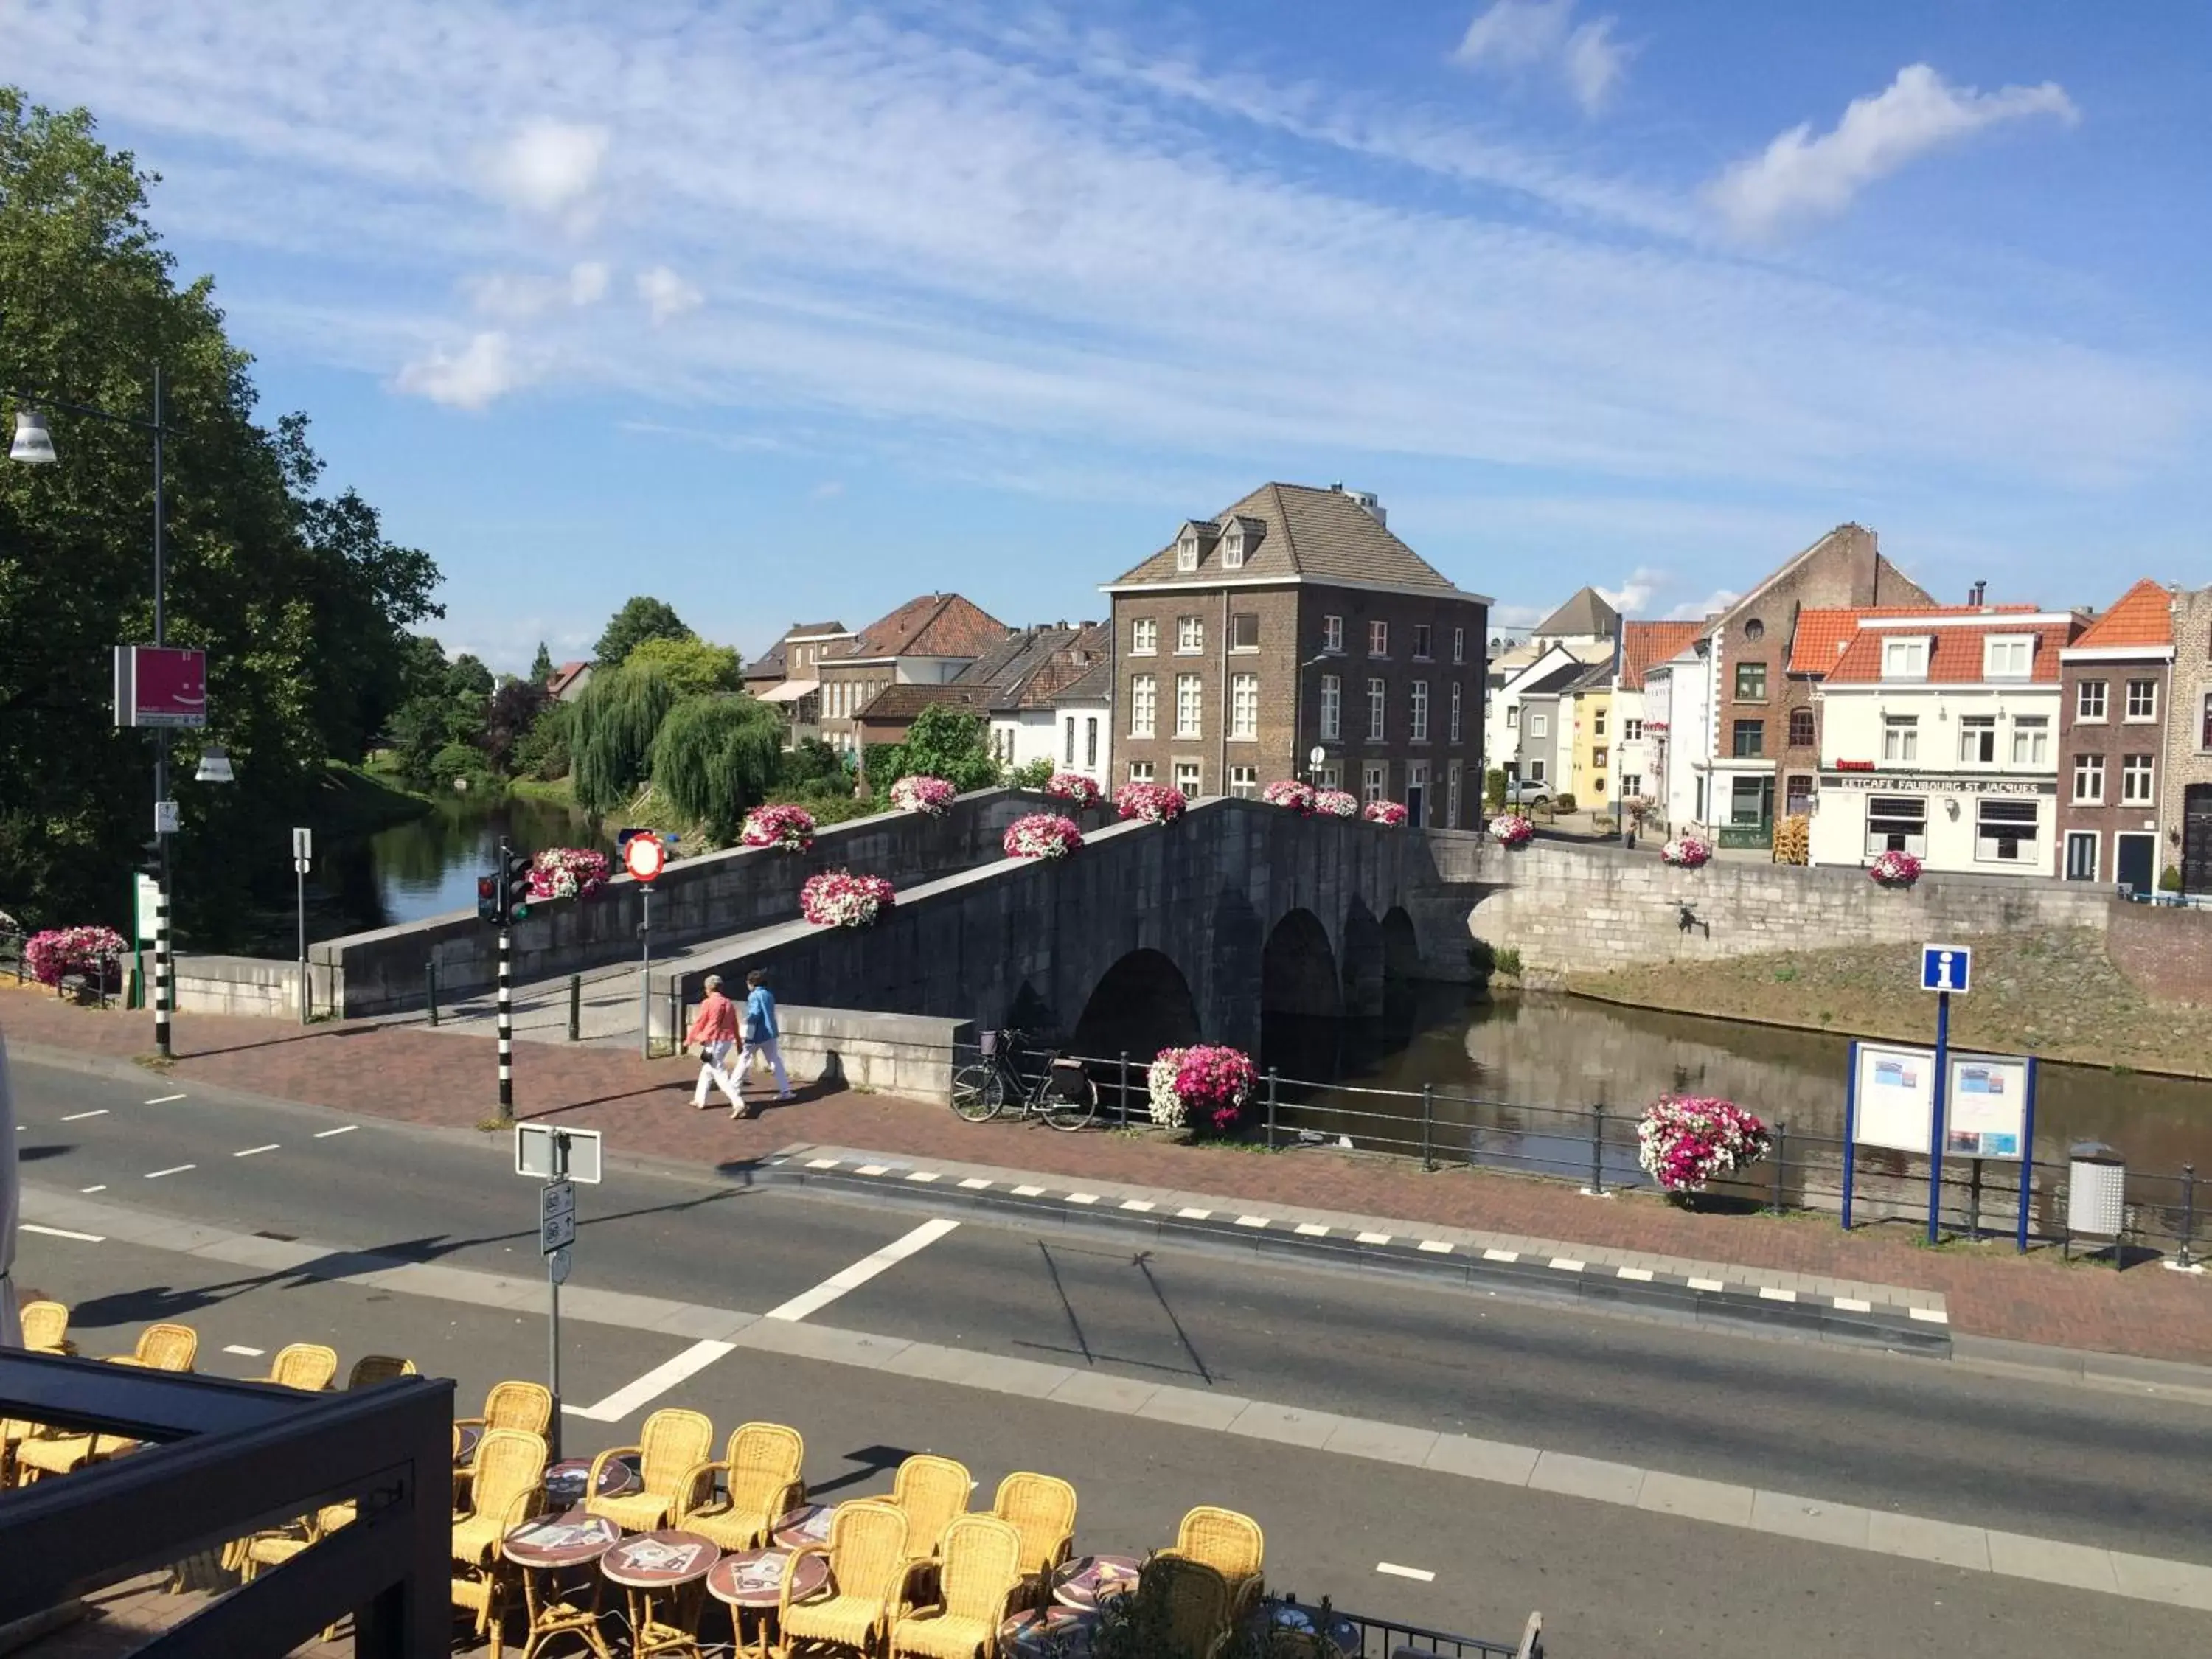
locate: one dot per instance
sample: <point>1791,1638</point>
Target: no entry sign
<point>643,856</point>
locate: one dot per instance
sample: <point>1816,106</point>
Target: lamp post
<point>33,446</point>
<point>1298,715</point>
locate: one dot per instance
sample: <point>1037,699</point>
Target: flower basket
<point>838,898</point>
<point>932,796</point>
<point>561,872</point>
<point>1205,1087</point>
<point>1511,829</point>
<point>1390,814</point>
<point>1685,1142</point>
<point>1290,793</point>
<point>1895,869</point>
<point>55,953</point>
<point>1041,835</point>
<point>1077,788</point>
<point>1336,804</point>
<point>791,827</point>
<point>1688,851</point>
<point>1150,803</point>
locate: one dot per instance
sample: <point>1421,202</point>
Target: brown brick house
<point>2186,790</point>
<point>1296,620</point>
<point>928,640</point>
<point>2115,690</point>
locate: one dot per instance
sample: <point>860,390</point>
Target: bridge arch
<point>1362,956</point>
<point>1401,946</point>
<point>1141,1005</point>
<point>1297,970</point>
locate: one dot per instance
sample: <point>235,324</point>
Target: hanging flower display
<point>1150,803</point>
<point>1207,1086</point>
<point>1077,788</point>
<point>560,872</point>
<point>1289,791</point>
<point>1688,851</point>
<point>1511,829</point>
<point>1336,803</point>
<point>1683,1143</point>
<point>1388,813</point>
<point>92,951</point>
<point>923,795</point>
<point>1042,836</point>
<point>838,898</point>
<point>791,827</point>
<point>1895,869</point>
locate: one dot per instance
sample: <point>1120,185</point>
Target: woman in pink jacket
<point>714,1032</point>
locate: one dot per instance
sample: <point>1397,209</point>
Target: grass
<point>358,800</point>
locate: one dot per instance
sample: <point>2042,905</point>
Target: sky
<point>789,311</point>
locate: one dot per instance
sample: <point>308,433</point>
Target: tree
<point>943,743</point>
<point>811,767</point>
<point>639,619</point>
<point>514,709</point>
<point>543,751</point>
<point>716,758</point>
<point>694,667</point>
<point>541,666</point>
<point>616,719</point>
<point>1035,776</point>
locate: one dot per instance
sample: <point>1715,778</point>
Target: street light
<point>215,767</point>
<point>33,445</point>
<point>1298,715</point>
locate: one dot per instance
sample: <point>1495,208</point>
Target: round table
<point>1089,1580</point>
<point>1290,1616</point>
<point>1054,1633</point>
<point>666,1566</point>
<point>547,1548</point>
<point>471,1436</point>
<point>751,1581</point>
<point>807,1524</point>
<point>564,1481</point>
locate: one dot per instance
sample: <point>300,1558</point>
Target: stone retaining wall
<point>2165,950</point>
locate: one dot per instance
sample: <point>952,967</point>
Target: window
<point>1539,724</point>
<point>1900,737</point>
<point>2007,657</point>
<point>1417,793</point>
<point>1896,823</point>
<point>2005,831</point>
<point>1978,739</point>
<point>1751,682</point>
<point>1144,704</point>
<point>1244,782</point>
<point>1186,779</point>
<point>1188,722</point>
<point>1374,778</point>
<point>1329,776</point>
<point>1631,784</point>
<point>1421,637</point>
<point>2031,739</point>
<point>1754,630</point>
<point>1190,635</point>
<point>1378,639</point>
<point>2082,855</point>
<point>1749,740</point>
<point>1631,731</point>
<point>1535,771</point>
<point>1904,660</point>
<point>1243,705</point>
<point>1070,759</point>
<point>1186,553</point>
<point>1597,722</point>
<point>1331,707</point>
<point>2088,780</point>
<point>2205,733</point>
<point>1332,633</point>
<point>1090,744</point>
<point>1232,550</point>
<point>1512,715</point>
<point>2143,699</point>
<point>1375,700</point>
<point>1751,800</point>
<point>1798,795</point>
<point>1459,651</point>
<point>1597,756</point>
<point>1141,771</point>
<point>1420,712</point>
<point>2135,780</point>
<point>2089,700</point>
<point>1244,631</point>
<point>1144,636</point>
<point>1454,714</point>
<point>1800,729</point>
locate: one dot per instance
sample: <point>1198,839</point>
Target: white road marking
<point>325,1134</point>
<point>1138,1206</point>
<point>1641,1275</point>
<point>1193,1215</point>
<point>821,1163</point>
<point>163,1100</point>
<point>1418,1575</point>
<point>975,1183</point>
<point>1312,1230</point>
<point>1436,1246</point>
<point>873,1170</point>
<point>1932,1316</point>
<point>177,1169</point>
<point>1768,1293</point>
<point>654,1383</point>
<point>1501,1256</point>
<point>255,1151</point>
<point>1374,1238</point>
<point>1853,1304</point>
<point>1029,1191</point>
<point>1083,1197</point>
<point>243,1352</point>
<point>79,1117</point>
<point>1567,1264</point>
<point>100,1188</point>
<point>1707,1284</point>
<point>923,1174</point>
<point>858,1274</point>
<point>62,1232</point>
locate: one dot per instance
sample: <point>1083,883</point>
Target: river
<point>428,866</point>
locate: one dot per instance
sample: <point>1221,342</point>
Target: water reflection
<point>428,866</point>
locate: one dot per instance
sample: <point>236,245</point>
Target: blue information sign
<point>1946,967</point>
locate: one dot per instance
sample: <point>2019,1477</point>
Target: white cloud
<point>827,490</point>
<point>1633,595</point>
<point>1698,609</point>
<point>484,371</point>
<point>1516,615</point>
<point>1519,36</point>
<point>1798,176</point>
<point>666,295</point>
<point>587,283</point>
<point>548,167</point>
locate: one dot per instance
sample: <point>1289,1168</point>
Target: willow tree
<point>716,758</point>
<point>611,746</point>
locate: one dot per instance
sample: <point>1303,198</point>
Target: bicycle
<point>1061,1093</point>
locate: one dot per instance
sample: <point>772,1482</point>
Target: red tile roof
<point>1644,645</point>
<point>1957,658</point>
<point>2142,615</point>
<point>1822,633</point>
<point>934,625</point>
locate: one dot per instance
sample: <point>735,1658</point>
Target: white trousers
<point>715,1069</point>
<point>762,1046</point>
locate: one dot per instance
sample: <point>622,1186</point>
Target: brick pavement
<point>421,1076</point>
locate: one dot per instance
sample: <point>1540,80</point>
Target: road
<point>1916,1436</point>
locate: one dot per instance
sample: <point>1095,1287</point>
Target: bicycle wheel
<point>1074,1114</point>
<point>978,1092</point>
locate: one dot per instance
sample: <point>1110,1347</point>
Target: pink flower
<point>1336,803</point>
<point>1688,851</point>
<point>789,827</point>
<point>58,952</point>
<point>1074,787</point>
<point>919,793</point>
<point>560,872</point>
<point>1209,1081</point>
<point>1895,869</point>
<point>1298,797</point>
<point>1388,813</point>
<point>1041,835</point>
<point>1684,1143</point>
<point>1511,829</point>
<point>1150,803</point>
<point>838,898</point>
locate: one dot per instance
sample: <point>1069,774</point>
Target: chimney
<point>1975,596</point>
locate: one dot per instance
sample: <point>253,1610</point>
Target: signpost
<point>559,1158</point>
<point>145,919</point>
<point>1943,968</point>
<point>644,857</point>
<point>303,853</point>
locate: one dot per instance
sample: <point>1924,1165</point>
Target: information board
<point>1985,1106</point>
<point>1895,1098</point>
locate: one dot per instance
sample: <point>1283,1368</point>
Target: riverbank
<point>353,800</point>
<point>2052,993</point>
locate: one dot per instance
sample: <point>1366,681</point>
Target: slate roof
<point>1957,657</point>
<point>1588,612</point>
<point>2143,615</point>
<point>772,661</point>
<point>1566,674</point>
<point>1025,670</point>
<point>1824,632</point>
<point>1646,645</point>
<point>903,702</point>
<point>1094,684</point>
<point>931,625</point>
<point>1322,535</point>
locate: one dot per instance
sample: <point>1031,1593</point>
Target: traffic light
<point>488,898</point>
<point>515,874</point>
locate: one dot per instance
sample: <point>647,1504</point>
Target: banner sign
<point>1985,1108</point>
<point>160,685</point>
<point>1895,1096</point>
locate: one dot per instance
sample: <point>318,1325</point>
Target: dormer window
<point>1232,550</point>
<point>1904,660</point>
<point>2007,656</point>
<point>1187,551</point>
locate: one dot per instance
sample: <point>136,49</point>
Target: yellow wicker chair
<point>166,1347</point>
<point>762,1476</point>
<point>42,1450</point>
<point>509,1489</point>
<point>673,1443</point>
<point>1186,1606</point>
<point>867,1552</point>
<point>934,1491</point>
<point>1041,1508</point>
<point>527,1407</point>
<point>373,1368</point>
<point>45,1328</point>
<point>307,1366</point>
<point>1231,1544</point>
<point>980,1569</point>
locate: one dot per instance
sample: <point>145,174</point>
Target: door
<point>2081,855</point>
<point>1417,792</point>
<point>2196,839</point>
<point>2134,860</point>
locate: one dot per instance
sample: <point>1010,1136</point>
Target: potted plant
<point>54,953</point>
<point>1290,793</point>
<point>838,898</point>
<point>1204,1087</point>
<point>928,795</point>
<point>1390,814</point>
<point>1150,803</point>
<point>1687,852</point>
<point>560,872</point>
<point>791,827</point>
<point>1336,803</point>
<point>1041,835</point>
<point>1078,789</point>
<point>1511,829</point>
<point>1684,1142</point>
<point>1895,869</point>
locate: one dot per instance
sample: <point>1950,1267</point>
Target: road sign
<point>1316,758</point>
<point>147,892</point>
<point>556,1215</point>
<point>535,1153</point>
<point>1946,967</point>
<point>643,856</point>
<point>303,844</point>
<point>556,1267</point>
<point>165,817</point>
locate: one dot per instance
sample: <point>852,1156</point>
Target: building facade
<point>2185,794</point>
<point>1644,646</point>
<point>1085,709</point>
<point>2116,702</point>
<point>1583,630</point>
<point>1293,621</point>
<point>928,640</point>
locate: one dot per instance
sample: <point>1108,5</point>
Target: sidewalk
<point>432,1078</point>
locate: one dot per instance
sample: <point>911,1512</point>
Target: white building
<point>1639,752</point>
<point>1677,733</point>
<point>1534,727</point>
<point>1940,738</point>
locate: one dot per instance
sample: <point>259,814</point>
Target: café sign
<point>1931,783</point>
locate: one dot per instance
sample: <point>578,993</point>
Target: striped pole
<point>162,964</point>
<point>506,1023</point>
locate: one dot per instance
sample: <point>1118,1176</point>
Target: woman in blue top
<point>760,1036</point>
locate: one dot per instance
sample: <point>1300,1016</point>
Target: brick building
<point>788,676</point>
<point>2185,795</point>
<point>1292,621</point>
<point>2116,695</point>
<point>926,642</point>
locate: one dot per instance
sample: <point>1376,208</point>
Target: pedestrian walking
<point>760,1037</point>
<point>714,1031</point>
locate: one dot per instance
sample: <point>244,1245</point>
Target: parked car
<point>1520,796</point>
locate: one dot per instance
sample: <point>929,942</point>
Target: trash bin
<point>2096,1190</point>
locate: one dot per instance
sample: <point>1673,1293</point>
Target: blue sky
<point>792,310</point>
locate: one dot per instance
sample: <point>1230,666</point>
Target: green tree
<point>541,666</point>
<point>942,743</point>
<point>543,751</point>
<point>811,767</point>
<point>639,619</point>
<point>694,667</point>
<point>1035,776</point>
<point>610,748</point>
<point>513,711</point>
<point>716,758</point>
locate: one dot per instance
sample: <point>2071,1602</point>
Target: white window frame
<point>2083,713</point>
<point>2007,656</point>
<point>1978,734</point>
<point>2031,739</point>
<point>1144,705</point>
<point>1459,645</point>
<point>1245,708</point>
<point>1190,636</point>
<point>2149,708</point>
<point>1512,716</point>
<point>2096,854</point>
<point>1905,659</point>
<point>1417,705</point>
<point>1244,782</point>
<point>1378,639</point>
<point>1186,553</point>
<point>1141,771</point>
<point>1877,842</point>
<point>1331,634</point>
<point>1374,781</point>
<point>1145,636</point>
<point>1986,847</point>
<point>1539,724</point>
<point>2088,780</point>
<point>1190,779</point>
<point>1631,729</point>
<point>1232,550</point>
<point>1235,617</point>
<point>1455,712</point>
<point>1378,698</point>
<point>2134,767</point>
<point>1424,647</point>
<point>1536,769</point>
<point>1900,739</point>
<point>1331,707</point>
<point>1190,706</point>
<point>1330,776</point>
<point>1070,762</point>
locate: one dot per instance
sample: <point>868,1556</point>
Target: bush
<point>2169,880</point>
<point>1563,803</point>
<point>463,767</point>
<point>542,750</point>
<point>1506,959</point>
<point>1035,776</point>
<point>1493,789</point>
<point>812,767</point>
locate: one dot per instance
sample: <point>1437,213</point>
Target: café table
<point>1272,1615</point>
<point>1087,1580</point>
<point>469,1435</point>
<point>564,1481</point>
<point>665,1567</point>
<point>807,1524</point>
<point>1054,1633</point>
<point>751,1581</point>
<point>547,1550</point>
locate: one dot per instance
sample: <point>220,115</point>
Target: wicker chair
<point>509,1489</point>
<point>45,1328</point>
<point>980,1569</point>
<point>1041,1508</point>
<point>1231,1544</point>
<point>933,1493</point>
<point>1185,1607</point>
<point>527,1407</point>
<point>373,1368</point>
<point>42,1451</point>
<point>672,1445</point>
<point>761,1473</point>
<point>166,1347</point>
<point>308,1366</point>
<point>867,1552</point>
